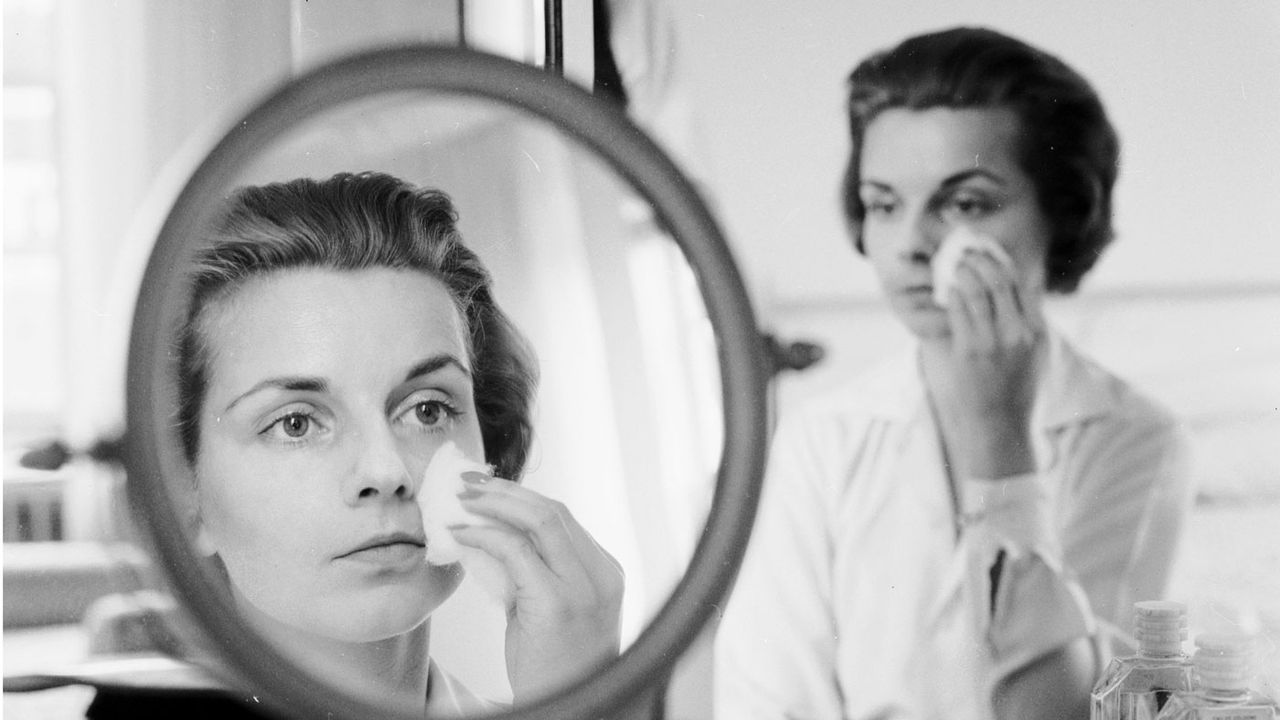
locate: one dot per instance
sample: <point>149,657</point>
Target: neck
<point>983,418</point>
<point>937,367</point>
<point>934,357</point>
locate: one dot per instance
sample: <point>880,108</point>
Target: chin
<point>361,614</point>
<point>379,613</point>
<point>370,618</point>
<point>375,626</point>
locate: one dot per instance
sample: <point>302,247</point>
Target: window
<point>34,358</point>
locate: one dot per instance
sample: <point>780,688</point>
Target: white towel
<point>438,500</point>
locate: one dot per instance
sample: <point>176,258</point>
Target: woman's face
<point>328,393</point>
<point>925,172</point>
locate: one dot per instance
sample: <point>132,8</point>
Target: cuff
<point>1015,511</point>
<point>1036,609</point>
<point>1033,605</point>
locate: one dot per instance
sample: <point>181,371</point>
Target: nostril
<point>368,492</point>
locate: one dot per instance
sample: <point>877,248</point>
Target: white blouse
<point>868,590</point>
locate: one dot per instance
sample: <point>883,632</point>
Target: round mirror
<point>648,424</point>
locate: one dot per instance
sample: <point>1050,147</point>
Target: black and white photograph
<point>641,359</point>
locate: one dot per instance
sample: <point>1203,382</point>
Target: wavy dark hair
<point>1068,147</point>
<point>354,222</point>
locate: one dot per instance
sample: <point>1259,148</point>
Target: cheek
<point>1028,248</point>
<point>417,451</point>
<point>230,507</point>
<point>247,501</point>
<point>878,250</point>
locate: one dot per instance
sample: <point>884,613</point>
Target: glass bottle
<point>1138,686</point>
<point>1224,670</point>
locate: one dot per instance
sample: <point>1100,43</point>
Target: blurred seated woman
<point>339,334</point>
<point>962,532</point>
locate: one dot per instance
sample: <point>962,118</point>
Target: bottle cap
<point>1224,661</point>
<point>1161,626</point>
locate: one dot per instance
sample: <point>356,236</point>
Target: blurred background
<point>100,98</point>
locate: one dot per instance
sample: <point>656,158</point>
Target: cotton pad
<point>440,506</point>
<point>947,259</point>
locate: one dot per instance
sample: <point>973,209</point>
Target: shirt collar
<point>1074,391</point>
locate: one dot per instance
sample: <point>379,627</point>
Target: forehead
<point>902,145</point>
<point>331,323</point>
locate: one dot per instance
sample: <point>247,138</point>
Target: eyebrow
<point>435,363</point>
<point>302,384</point>
<point>319,385</point>
<point>875,184</point>
<point>971,173</point>
<point>948,181</point>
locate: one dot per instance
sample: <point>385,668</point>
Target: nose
<point>924,234</point>
<point>380,471</point>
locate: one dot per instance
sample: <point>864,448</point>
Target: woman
<point>960,533</point>
<point>339,334</point>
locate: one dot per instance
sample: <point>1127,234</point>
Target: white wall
<point>1193,87</point>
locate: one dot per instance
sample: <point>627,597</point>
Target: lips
<point>917,290</point>
<point>389,545</point>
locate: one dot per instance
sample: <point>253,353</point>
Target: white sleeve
<point>775,649</point>
<point>1046,583</point>
<point>1029,603</point>
<point>1132,492</point>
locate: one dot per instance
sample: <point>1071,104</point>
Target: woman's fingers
<point>541,521</point>
<point>1010,325</point>
<point>515,551</point>
<point>590,553</point>
<point>971,310</point>
<point>1029,309</point>
<point>565,547</point>
<point>564,616</point>
<point>994,302</point>
<point>961,321</point>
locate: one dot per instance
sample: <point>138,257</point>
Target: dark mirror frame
<point>151,455</point>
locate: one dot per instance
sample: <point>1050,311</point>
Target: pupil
<point>428,413</point>
<point>296,425</point>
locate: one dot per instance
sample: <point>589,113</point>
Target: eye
<point>879,206</point>
<point>295,425</point>
<point>970,205</point>
<point>429,415</point>
<point>291,427</point>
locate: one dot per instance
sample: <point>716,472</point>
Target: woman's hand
<point>990,370</point>
<point>563,613</point>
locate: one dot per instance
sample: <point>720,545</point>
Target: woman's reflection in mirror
<point>961,532</point>
<point>339,333</point>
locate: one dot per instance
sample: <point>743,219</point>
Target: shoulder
<point>1084,391</point>
<point>829,438</point>
<point>1116,432</point>
<point>885,391</point>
